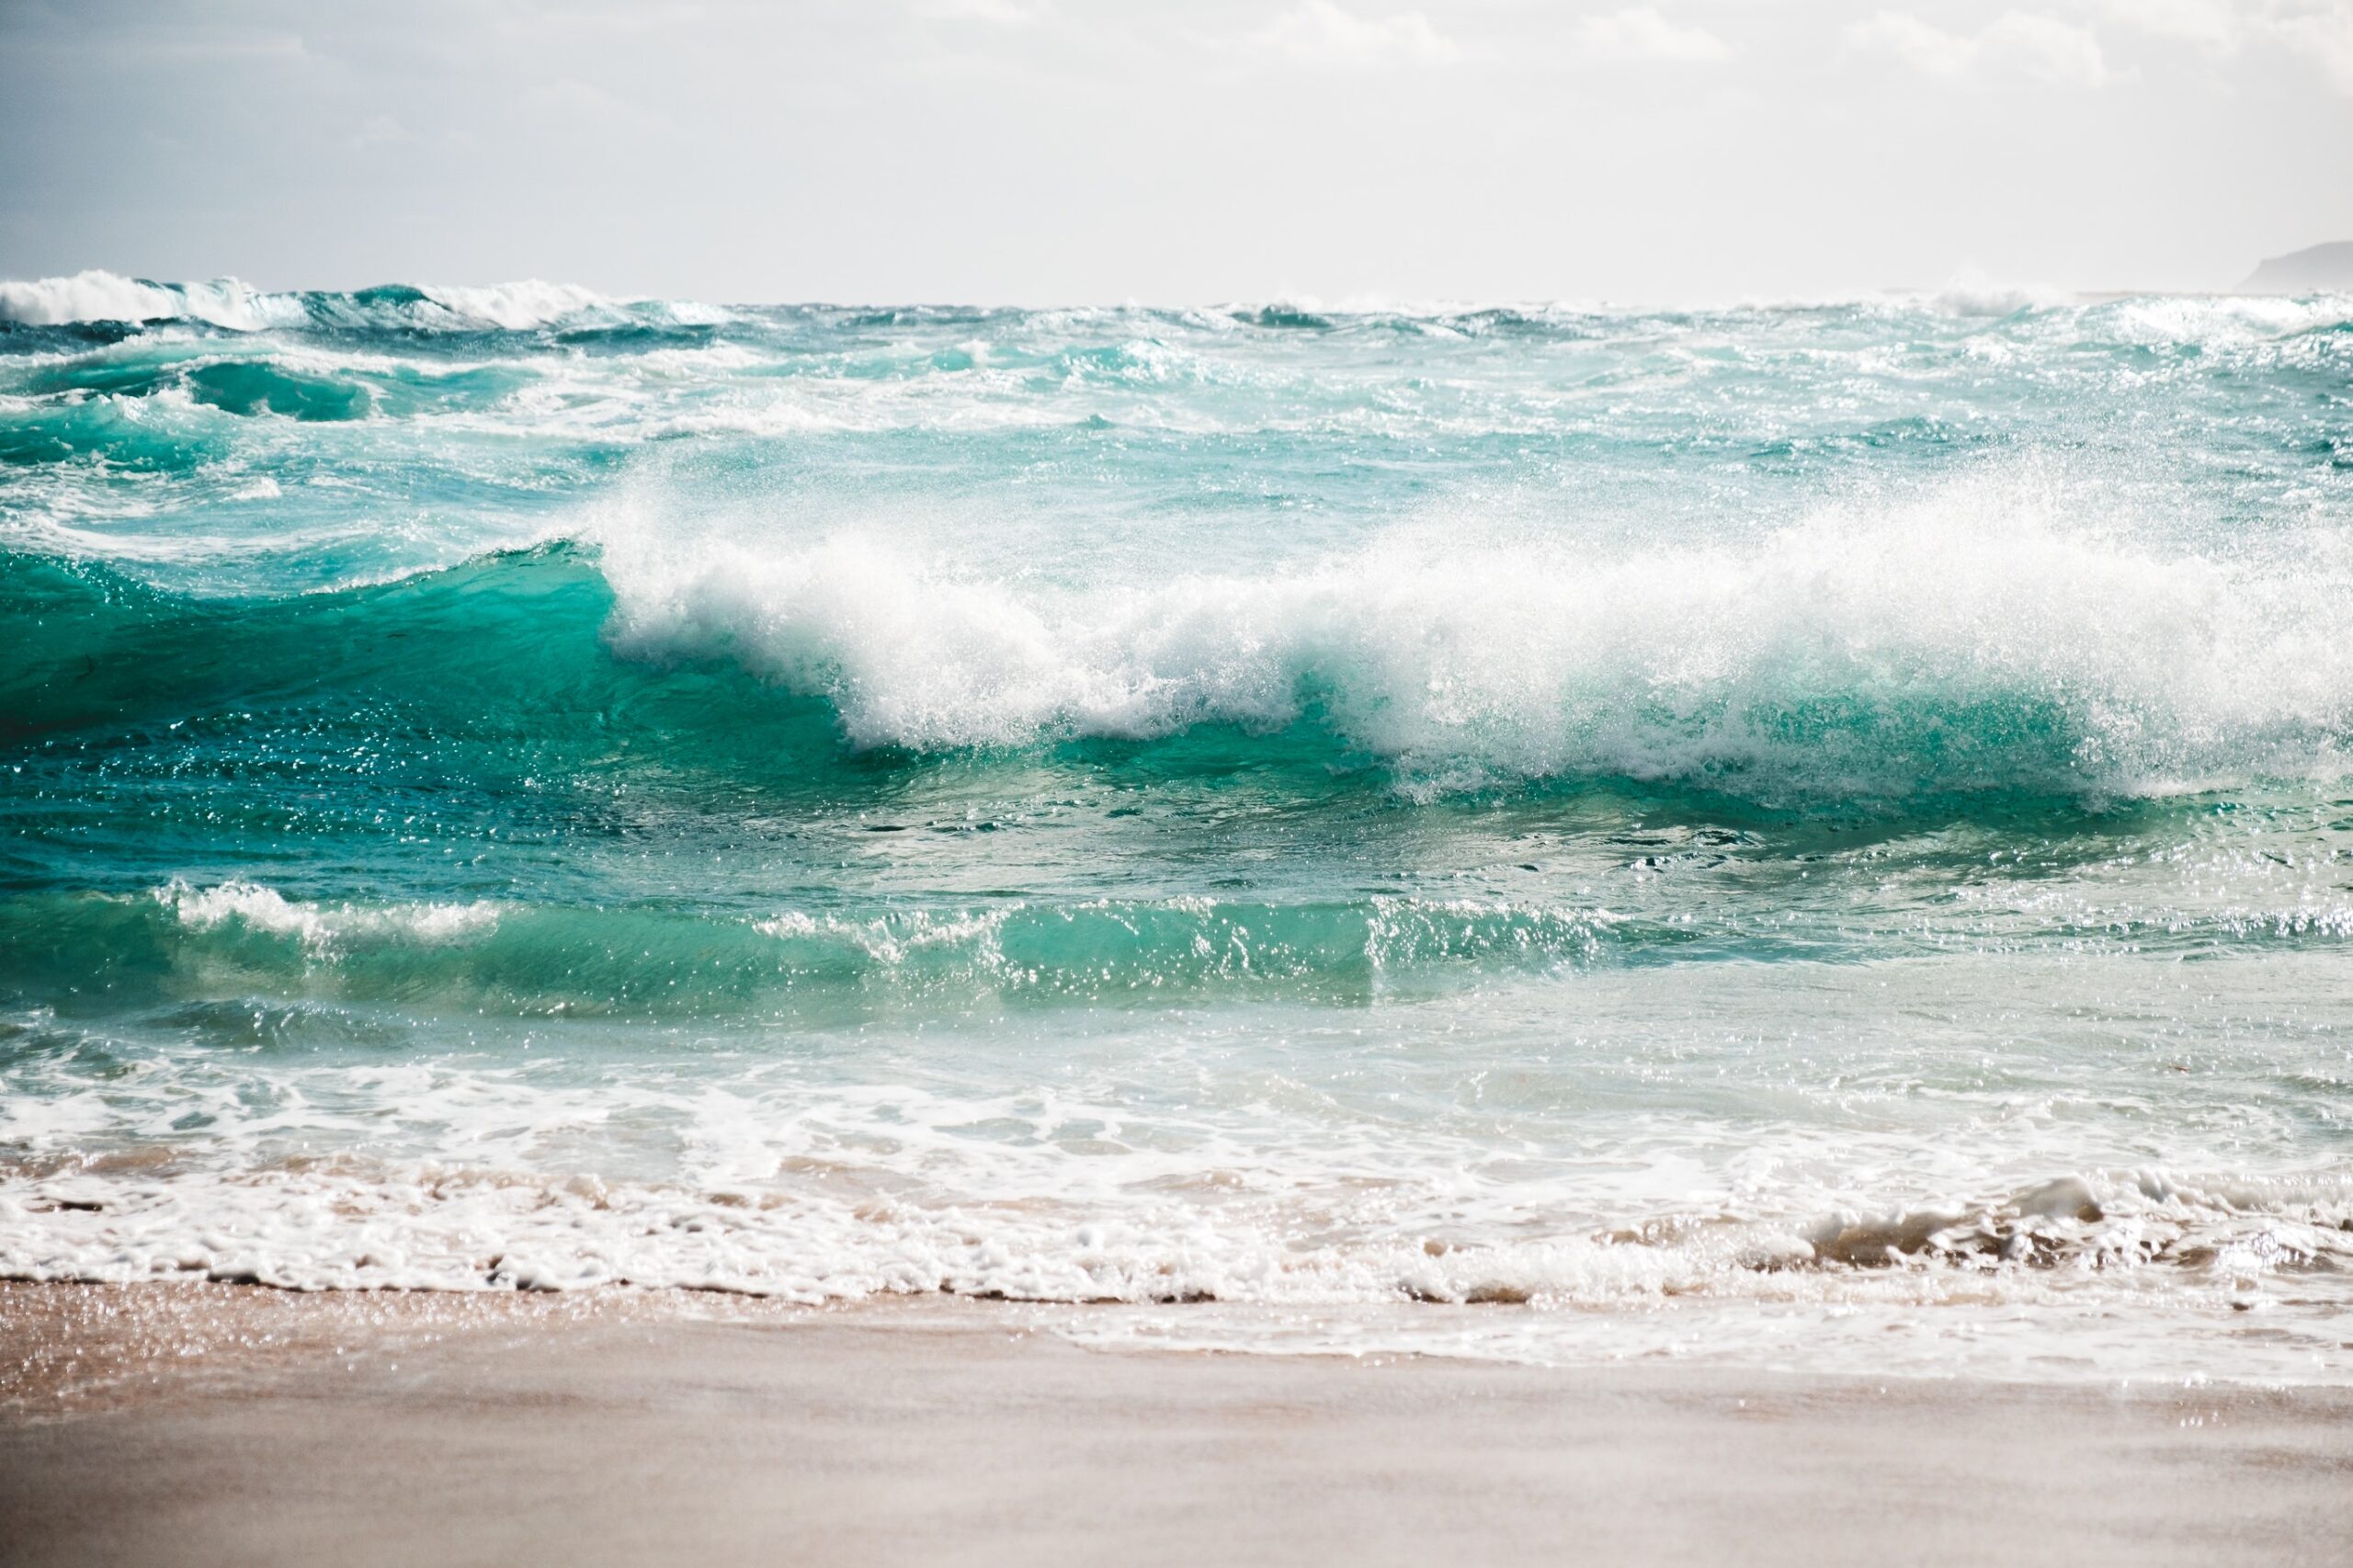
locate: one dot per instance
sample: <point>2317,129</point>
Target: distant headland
<point>2315,268</point>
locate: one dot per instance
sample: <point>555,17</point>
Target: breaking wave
<point>1963,642</point>
<point>1929,651</point>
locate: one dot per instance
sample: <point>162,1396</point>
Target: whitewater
<point>1813,835</point>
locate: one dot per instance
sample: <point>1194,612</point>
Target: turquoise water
<point>1810,834</point>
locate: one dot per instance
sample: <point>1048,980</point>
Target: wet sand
<point>160,1425</point>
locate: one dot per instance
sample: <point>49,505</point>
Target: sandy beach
<point>218,1425</point>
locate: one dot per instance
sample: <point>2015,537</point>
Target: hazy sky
<point>1039,151</point>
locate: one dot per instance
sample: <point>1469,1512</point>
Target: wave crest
<point>95,296</point>
<point>1966,642</point>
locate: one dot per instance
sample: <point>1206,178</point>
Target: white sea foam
<point>2223,319</point>
<point>322,927</point>
<point>519,306</point>
<point>891,941</point>
<point>2101,1267</point>
<point>1973,294</point>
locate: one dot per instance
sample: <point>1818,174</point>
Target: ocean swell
<point>185,942</point>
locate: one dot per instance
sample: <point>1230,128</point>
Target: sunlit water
<point>1816,835</point>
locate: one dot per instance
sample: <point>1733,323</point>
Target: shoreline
<point>195,1425</point>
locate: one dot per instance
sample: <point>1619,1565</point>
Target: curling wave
<point>1943,648</point>
<point>1850,658</point>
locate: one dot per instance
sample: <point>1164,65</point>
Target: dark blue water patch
<point>25,337</point>
<point>251,388</point>
<point>263,386</point>
<point>1505,323</point>
<point>618,339</point>
<point>1284,318</point>
<point>897,317</point>
<point>124,375</point>
<point>95,647</point>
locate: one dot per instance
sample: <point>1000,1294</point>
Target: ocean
<point>1810,835</point>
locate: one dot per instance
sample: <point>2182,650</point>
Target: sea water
<point>1818,835</point>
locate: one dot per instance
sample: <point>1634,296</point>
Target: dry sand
<point>161,1424</point>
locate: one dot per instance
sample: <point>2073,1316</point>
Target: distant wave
<point>1973,295</point>
<point>95,296</point>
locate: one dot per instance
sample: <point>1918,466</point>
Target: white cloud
<point>2215,24</point>
<point>1321,33</point>
<point>2320,33</point>
<point>380,130</point>
<point>998,13</point>
<point>1926,49</point>
<point>2324,34</point>
<point>2045,46</point>
<point>1638,32</point>
<point>2017,43</point>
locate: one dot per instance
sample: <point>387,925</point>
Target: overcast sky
<point>1037,151</point>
